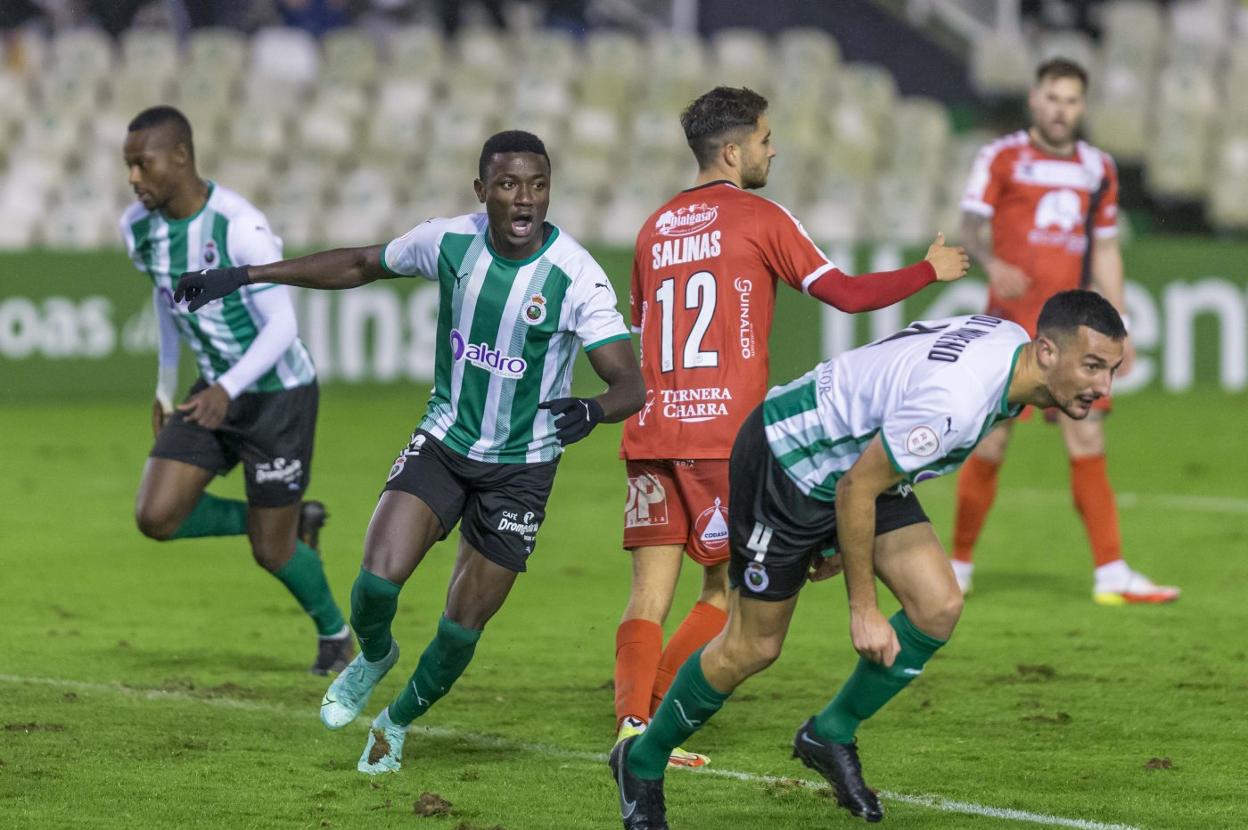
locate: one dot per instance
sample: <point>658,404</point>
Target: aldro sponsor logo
<point>686,220</point>
<point>484,357</point>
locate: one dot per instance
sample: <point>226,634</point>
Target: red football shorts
<point>682,502</point>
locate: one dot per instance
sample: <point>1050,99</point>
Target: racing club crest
<point>535,311</point>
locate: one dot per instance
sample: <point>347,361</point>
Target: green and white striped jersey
<point>931,392</point>
<point>507,333</point>
<point>228,231</point>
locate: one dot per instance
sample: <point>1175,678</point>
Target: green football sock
<point>871,685</point>
<point>373,603</point>
<point>305,578</point>
<point>690,702</point>
<point>444,660</point>
<point>214,516</point>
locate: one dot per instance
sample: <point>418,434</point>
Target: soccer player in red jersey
<point>705,269</point>
<point>1050,202</point>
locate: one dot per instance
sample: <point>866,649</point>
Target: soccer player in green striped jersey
<point>256,395</point>
<point>830,461</point>
<point>518,296</point>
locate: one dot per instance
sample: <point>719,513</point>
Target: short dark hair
<point>711,116</point>
<point>510,141</point>
<point>1066,311</point>
<point>161,115</point>
<point>1055,68</point>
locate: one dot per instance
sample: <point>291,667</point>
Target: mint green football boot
<point>347,696</point>
<point>384,750</point>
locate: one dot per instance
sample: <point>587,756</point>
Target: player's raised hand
<point>1007,281</point>
<point>574,417</point>
<point>202,287</point>
<point>207,407</point>
<point>951,263</point>
<point>873,637</point>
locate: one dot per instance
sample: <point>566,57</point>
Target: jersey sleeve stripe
<point>604,341</point>
<point>635,329</point>
<point>814,275</point>
<point>1106,232</point>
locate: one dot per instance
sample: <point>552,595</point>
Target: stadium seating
<point>315,124</point>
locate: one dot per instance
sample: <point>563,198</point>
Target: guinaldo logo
<point>483,357</point>
<point>686,220</point>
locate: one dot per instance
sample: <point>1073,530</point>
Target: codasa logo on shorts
<point>482,356</point>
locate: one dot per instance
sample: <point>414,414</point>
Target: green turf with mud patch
<point>165,685</point>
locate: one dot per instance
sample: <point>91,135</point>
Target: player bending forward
<point>705,271</point>
<point>516,297</point>
<point>829,461</point>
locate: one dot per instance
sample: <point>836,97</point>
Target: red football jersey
<point>1038,203</point>
<point>703,293</point>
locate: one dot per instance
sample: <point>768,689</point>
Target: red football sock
<point>697,629</point>
<point>977,490</point>
<point>638,644</point>
<point>1094,498</point>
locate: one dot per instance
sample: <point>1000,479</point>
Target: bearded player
<point>1040,214</point>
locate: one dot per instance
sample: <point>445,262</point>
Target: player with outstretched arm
<point>517,297</point>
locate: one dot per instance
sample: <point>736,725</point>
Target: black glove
<point>574,417</point>
<point>202,287</point>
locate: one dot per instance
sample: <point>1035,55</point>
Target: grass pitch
<point>150,685</point>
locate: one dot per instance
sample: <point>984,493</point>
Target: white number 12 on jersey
<point>700,293</point>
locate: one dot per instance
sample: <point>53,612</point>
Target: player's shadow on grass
<point>1011,585</point>
<point>217,662</point>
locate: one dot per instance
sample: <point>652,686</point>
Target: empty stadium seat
<point>216,55</point>
<point>256,133</point>
<point>415,52</point>
<point>1075,46</point>
<point>920,136</point>
<point>351,57</point>
<point>133,90</point>
<point>837,212</point>
<point>82,52</point>
<point>152,51</point>
<point>1001,64</point>
<point>743,57</point>
<point>326,133</point>
<point>902,210</point>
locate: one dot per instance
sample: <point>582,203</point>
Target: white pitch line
<point>1168,501</point>
<point>931,802</point>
